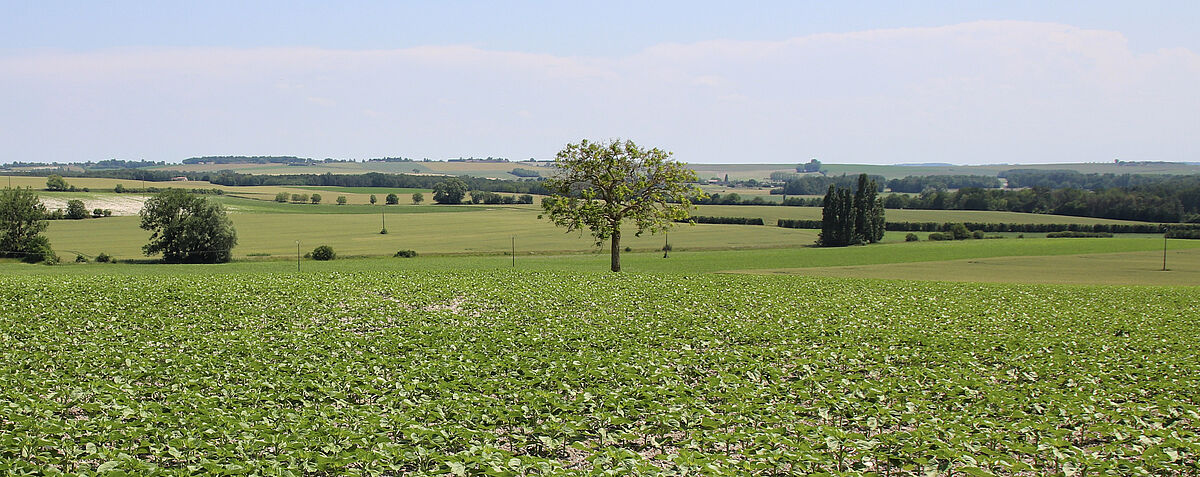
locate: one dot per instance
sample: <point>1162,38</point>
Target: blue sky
<point>864,82</point>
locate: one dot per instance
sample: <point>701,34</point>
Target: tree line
<point>1062,179</point>
<point>1175,200</point>
<point>915,184</point>
<point>819,184</point>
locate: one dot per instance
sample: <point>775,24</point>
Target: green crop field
<point>521,373</point>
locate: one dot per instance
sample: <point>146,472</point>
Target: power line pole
<point>297,256</point>
<point>1164,251</point>
<point>514,251</point>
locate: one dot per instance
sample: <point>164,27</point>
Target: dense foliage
<point>600,185</point>
<point>915,184</point>
<point>705,219</point>
<point>187,228</point>
<point>851,219</point>
<point>492,198</point>
<point>819,184</point>
<point>323,253</point>
<point>1174,200</point>
<point>55,182</point>
<point>22,221</point>
<point>554,373</point>
<point>1067,179</point>
<point>450,191</point>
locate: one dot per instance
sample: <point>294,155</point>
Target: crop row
<point>416,373</point>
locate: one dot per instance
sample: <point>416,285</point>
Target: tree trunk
<point>616,250</point>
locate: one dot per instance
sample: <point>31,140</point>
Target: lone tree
<point>315,198</point>
<point>373,199</point>
<point>417,198</point>
<point>341,200</point>
<point>187,228</point>
<point>56,182</point>
<point>76,210</point>
<point>22,220</point>
<point>599,185</point>
<point>851,219</point>
<point>450,191</point>
<point>392,199</point>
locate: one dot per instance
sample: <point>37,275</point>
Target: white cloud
<point>976,92</point>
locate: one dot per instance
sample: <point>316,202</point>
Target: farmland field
<point>510,373</point>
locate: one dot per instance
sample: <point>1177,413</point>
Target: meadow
<point>575,373</point>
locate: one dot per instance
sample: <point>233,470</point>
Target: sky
<point>884,82</point>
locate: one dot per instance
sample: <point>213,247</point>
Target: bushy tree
<point>22,220</point>
<point>417,198</point>
<point>281,197</point>
<point>960,232</point>
<point>187,228</point>
<point>373,199</point>
<point>341,200</point>
<point>392,199</point>
<point>299,198</point>
<point>56,182</point>
<point>315,198</point>
<point>76,210</point>
<point>450,191</point>
<point>600,185</point>
<point>323,252</point>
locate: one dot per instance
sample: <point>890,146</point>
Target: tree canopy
<point>56,182</point>
<point>850,219</point>
<point>187,228</point>
<point>22,220</point>
<point>450,191</point>
<point>599,185</point>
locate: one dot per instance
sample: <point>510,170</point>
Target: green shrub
<point>911,237</point>
<point>323,252</point>
<point>939,236</point>
<point>406,254</point>
<point>104,258</point>
<point>80,259</point>
<point>978,234</point>
<point>959,232</point>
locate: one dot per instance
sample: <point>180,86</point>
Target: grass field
<point>549,373</point>
<point>452,229</point>
<point>1124,261</point>
<point>771,215</point>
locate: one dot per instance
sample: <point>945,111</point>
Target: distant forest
<point>1151,198</point>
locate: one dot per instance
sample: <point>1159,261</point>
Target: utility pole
<point>297,256</point>
<point>383,216</point>
<point>1164,251</point>
<point>514,251</point>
